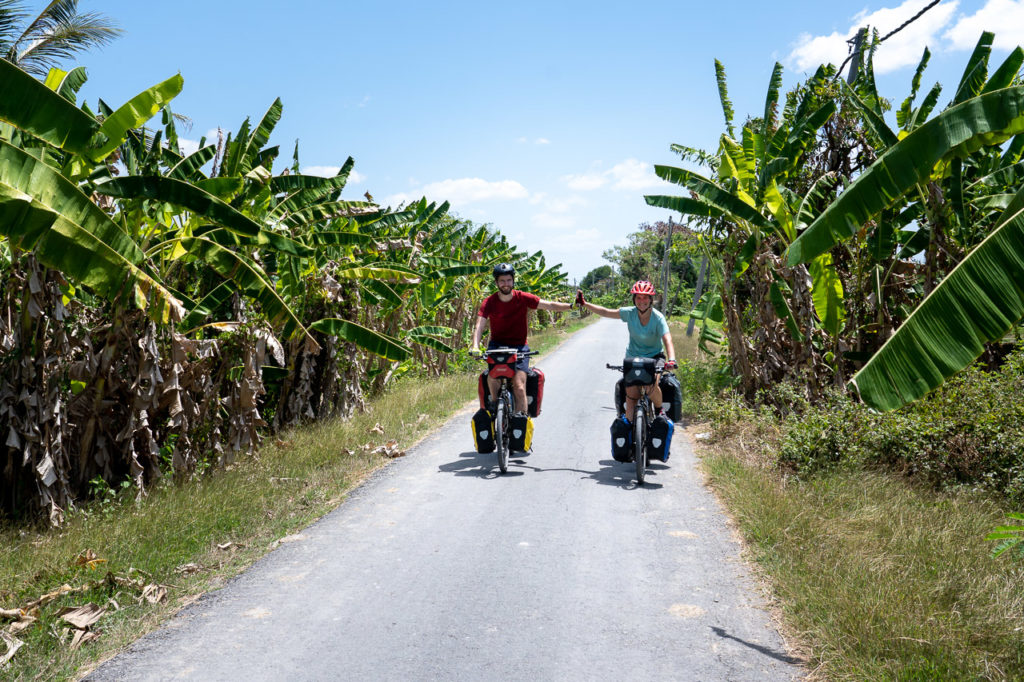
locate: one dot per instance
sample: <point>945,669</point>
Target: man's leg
<point>656,392</point>
<point>494,386</point>
<point>519,389</point>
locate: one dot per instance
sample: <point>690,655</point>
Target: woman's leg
<point>632,395</point>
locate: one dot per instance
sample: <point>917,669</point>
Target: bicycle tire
<point>639,442</point>
<point>501,432</point>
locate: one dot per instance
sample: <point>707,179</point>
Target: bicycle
<point>642,372</point>
<point>502,365</point>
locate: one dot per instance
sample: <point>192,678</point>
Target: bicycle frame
<point>643,418</point>
<point>501,363</point>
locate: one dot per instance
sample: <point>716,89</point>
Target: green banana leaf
<point>29,105</point>
<point>180,193</point>
<point>66,83</point>
<point>81,256</point>
<point>684,205</point>
<point>978,302</point>
<point>723,96</point>
<point>984,120</point>
<point>367,339</point>
<point>190,165</point>
<point>391,272</point>
<point>136,111</point>
<point>827,294</point>
<point>249,277</point>
<point>976,72</point>
<point>714,194</point>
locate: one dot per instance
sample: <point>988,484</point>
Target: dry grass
<point>874,578</point>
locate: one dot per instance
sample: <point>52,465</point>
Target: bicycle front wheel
<point>640,442</point>
<point>501,434</point>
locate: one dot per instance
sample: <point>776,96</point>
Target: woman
<point>648,332</point>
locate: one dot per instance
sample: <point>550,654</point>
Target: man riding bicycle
<point>648,332</point>
<point>505,313</point>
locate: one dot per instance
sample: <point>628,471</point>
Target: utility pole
<point>858,44</point>
<point>696,293</point>
<point>664,269</point>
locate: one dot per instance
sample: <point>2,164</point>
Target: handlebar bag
<point>503,365</point>
<point>638,371</point>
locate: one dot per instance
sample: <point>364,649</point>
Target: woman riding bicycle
<point>648,333</point>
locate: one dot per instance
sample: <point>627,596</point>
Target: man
<point>505,312</point>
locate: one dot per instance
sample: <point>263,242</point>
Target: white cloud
<point>554,220</point>
<point>1005,18</point>
<point>570,240</point>
<point>634,175</point>
<point>542,140</point>
<point>902,49</point>
<point>188,146</point>
<point>462,191</point>
<point>586,182</point>
<point>630,175</point>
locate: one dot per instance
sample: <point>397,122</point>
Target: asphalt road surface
<point>441,568</point>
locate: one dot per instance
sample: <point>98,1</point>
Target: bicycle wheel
<point>639,442</point>
<point>501,432</point>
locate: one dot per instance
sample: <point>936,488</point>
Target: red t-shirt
<point>508,319</point>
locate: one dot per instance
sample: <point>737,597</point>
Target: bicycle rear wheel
<point>639,442</point>
<point>501,432</point>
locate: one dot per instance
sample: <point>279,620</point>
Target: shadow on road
<point>474,464</point>
<point>777,655</point>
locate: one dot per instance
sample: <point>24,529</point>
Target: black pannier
<point>622,440</point>
<point>638,371</point>
<point>671,397</point>
<point>660,438</point>
<point>483,432</point>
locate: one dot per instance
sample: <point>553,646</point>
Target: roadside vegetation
<point>856,403</point>
<point>133,563</point>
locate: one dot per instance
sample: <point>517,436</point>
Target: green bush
<point>968,433</point>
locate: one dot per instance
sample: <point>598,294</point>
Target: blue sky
<point>542,118</point>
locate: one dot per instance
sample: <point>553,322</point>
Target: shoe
<point>519,415</point>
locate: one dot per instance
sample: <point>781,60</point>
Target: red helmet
<point>642,287</point>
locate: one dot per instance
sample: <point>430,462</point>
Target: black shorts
<point>522,361</point>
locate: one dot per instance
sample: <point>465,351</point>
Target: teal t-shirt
<point>644,340</point>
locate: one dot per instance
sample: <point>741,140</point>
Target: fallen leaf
<point>89,558</point>
<point>186,569</point>
<point>226,546</point>
<point>82,616</point>
<point>22,624</point>
<point>154,594</point>
<point>82,637</point>
<point>13,644</point>
<point>377,429</point>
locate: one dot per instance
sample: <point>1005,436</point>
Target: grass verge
<point>877,578</point>
<point>141,561</point>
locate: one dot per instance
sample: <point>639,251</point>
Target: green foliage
<point>969,433</point>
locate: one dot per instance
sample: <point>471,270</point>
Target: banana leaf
<point>29,105</point>
<point>978,302</point>
<point>66,83</point>
<point>136,111</point>
<point>180,193</point>
<point>81,256</point>
<point>684,205</point>
<point>976,72</point>
<point>827,294</point>
<point>249,277</point>
<point>190,165</point>
<point>367,339</point>
<point>984,120</point>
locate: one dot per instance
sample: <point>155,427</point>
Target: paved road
<point>440,568</point>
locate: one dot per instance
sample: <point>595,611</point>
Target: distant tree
<point>58,32</point>
<point>643,254</point>
<point>596,275</point>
